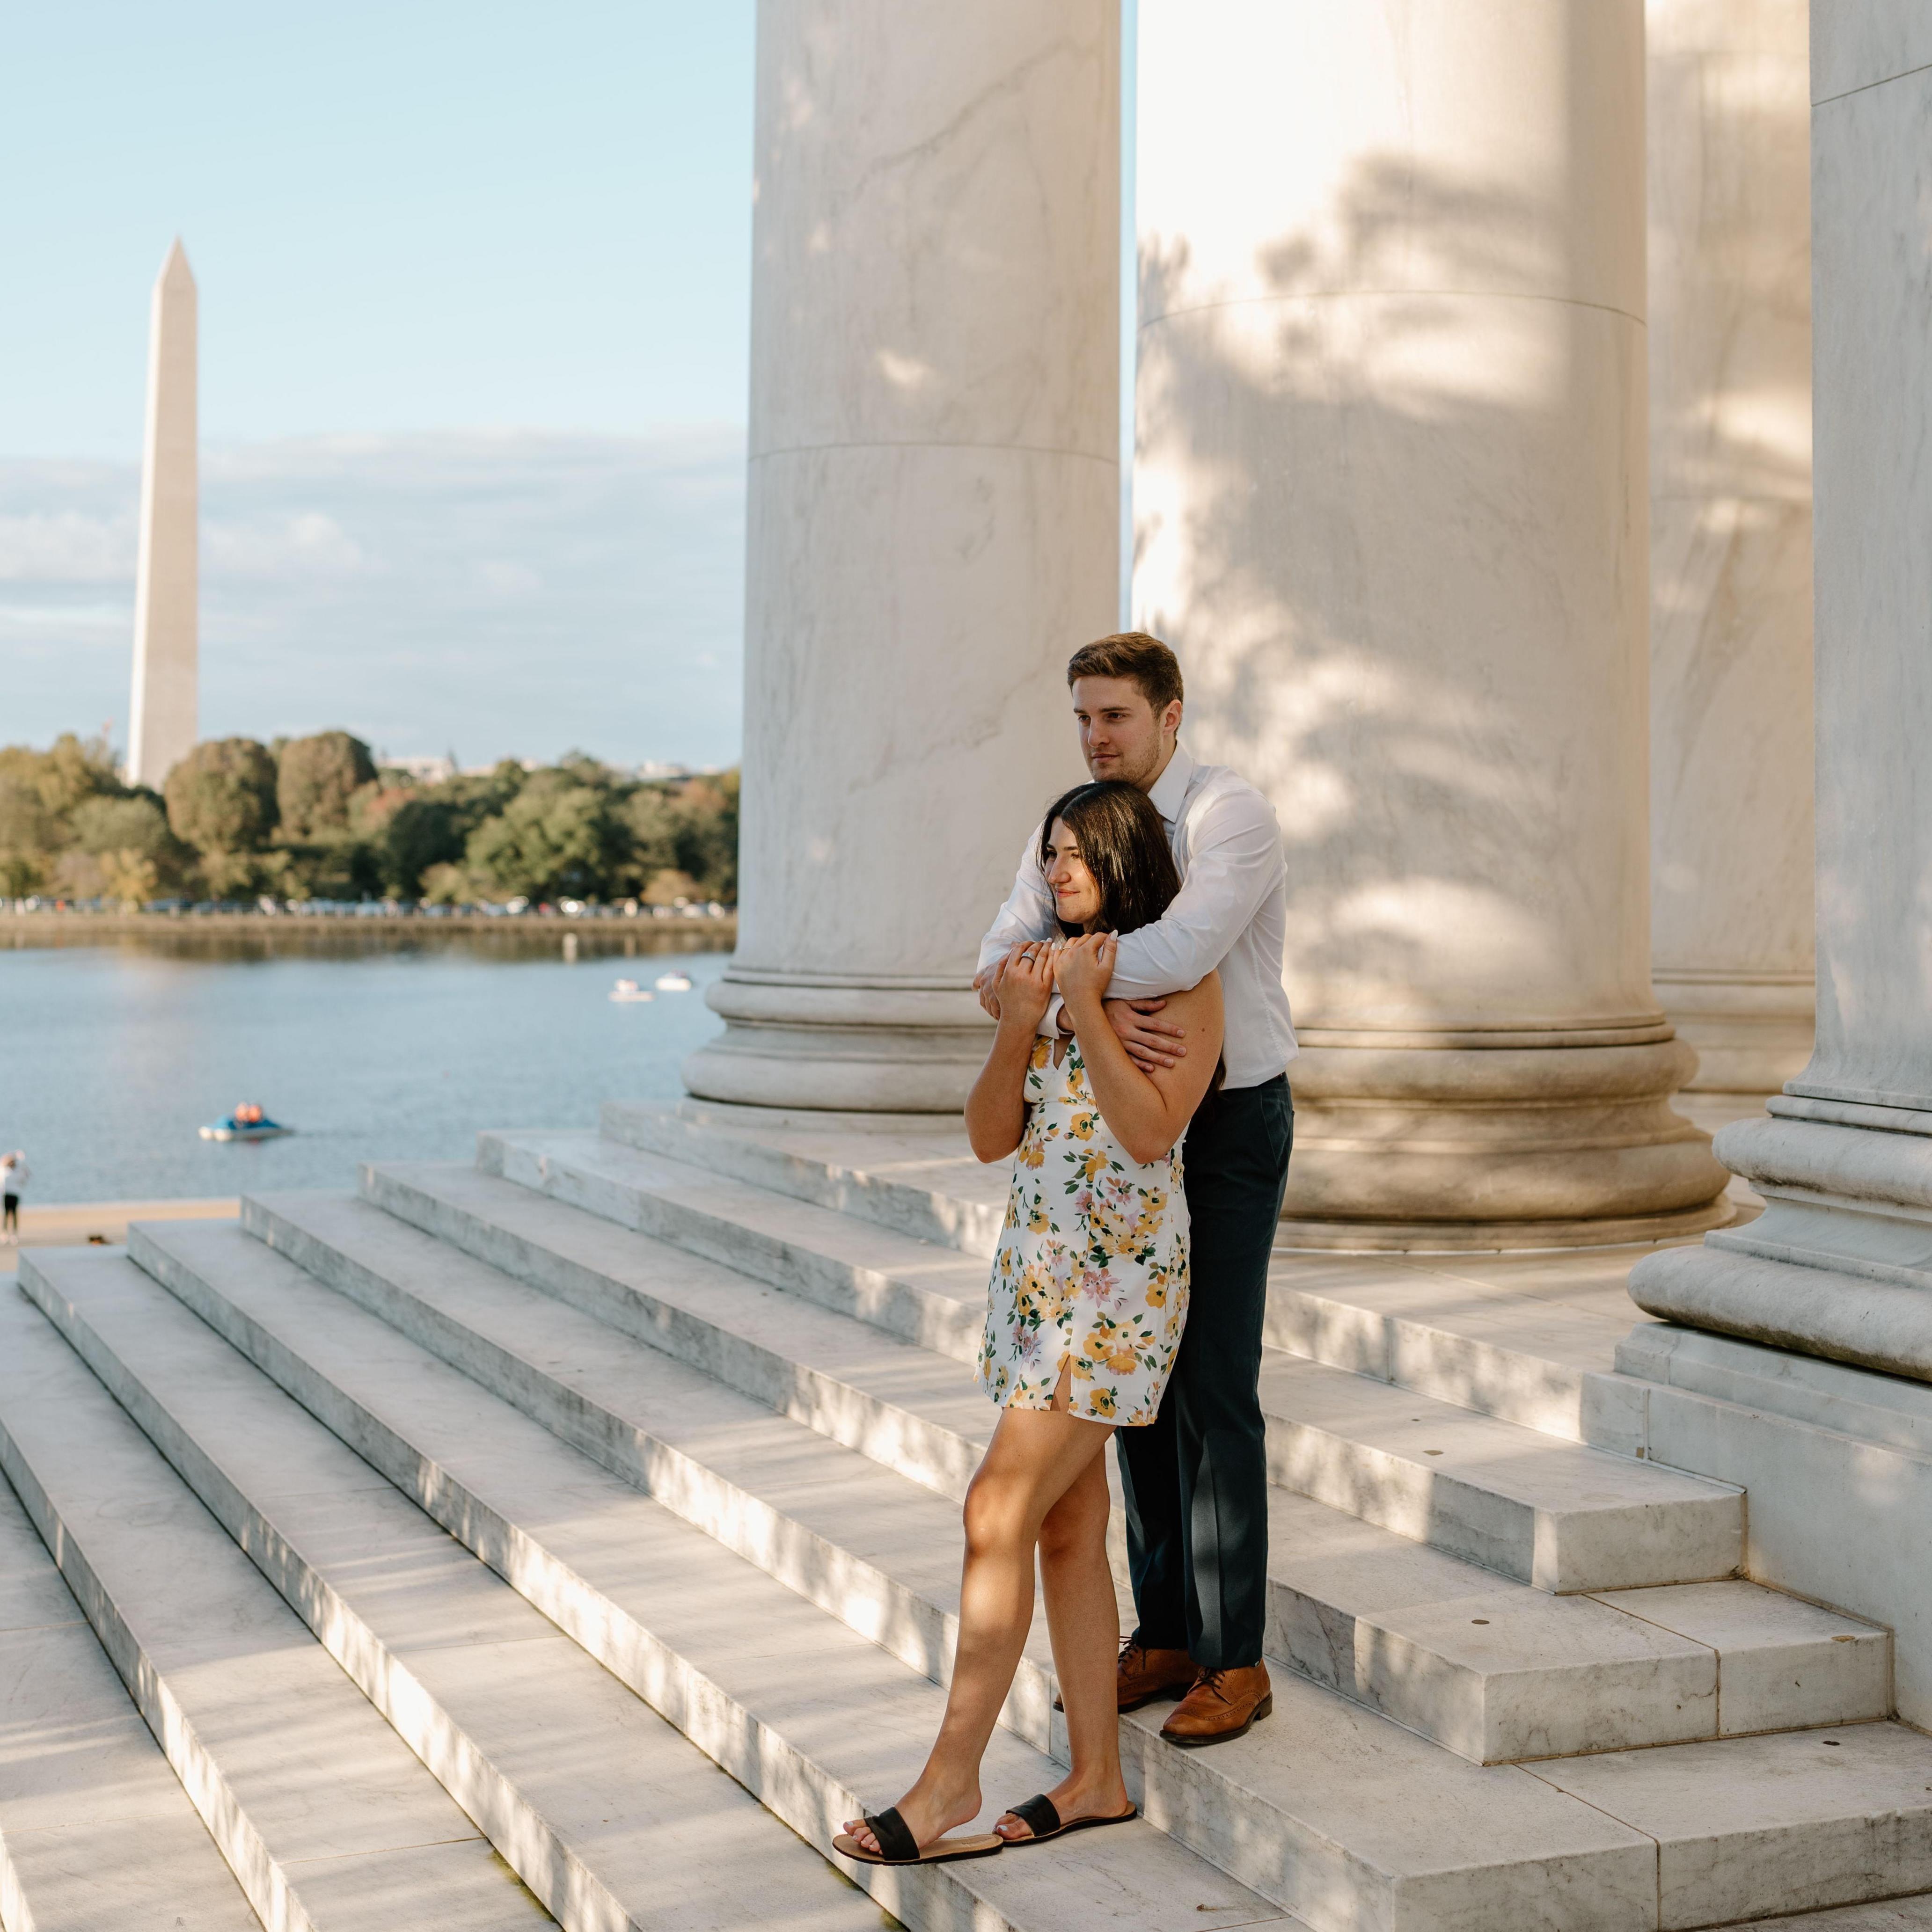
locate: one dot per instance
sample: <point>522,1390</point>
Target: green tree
<point>422,832</point>
<point>707,834</point>
<point>137,822</point>
<point>315,778</point>
<point>556,837</point>
<point>30,834</point>
<point>221,800</point>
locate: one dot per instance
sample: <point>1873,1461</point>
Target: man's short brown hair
<point>1133,654</point>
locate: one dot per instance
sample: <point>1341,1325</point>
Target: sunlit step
<point>322,1812</point>
<point>547,1719</point>
<point>1491,1668</point>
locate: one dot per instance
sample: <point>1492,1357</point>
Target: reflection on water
<point>372,1046</point>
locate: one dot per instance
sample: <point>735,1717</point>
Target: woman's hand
<point>1023,984</point>
<point>1085,967</point>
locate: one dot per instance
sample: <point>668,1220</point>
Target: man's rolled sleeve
<point>1234,863</point>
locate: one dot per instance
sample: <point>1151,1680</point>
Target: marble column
<point>1390,509</point>
<point>933,519</point>
<point>1840,1264</point>
<point>1730,374</point>
<point>164,718</point>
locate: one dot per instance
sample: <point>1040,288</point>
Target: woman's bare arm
<point>1147,1112</point>
<point>995,1109</point>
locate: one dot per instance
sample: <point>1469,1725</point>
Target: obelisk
<point>167,620</point>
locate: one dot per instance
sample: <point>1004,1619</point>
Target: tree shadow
<point>1405,610</point>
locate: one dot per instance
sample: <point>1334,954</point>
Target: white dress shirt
<point>1231,913</point>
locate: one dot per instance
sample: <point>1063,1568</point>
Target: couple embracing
<point>1138,1074</point>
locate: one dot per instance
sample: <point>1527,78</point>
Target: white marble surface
<point>1871,175</point>
<point>1730,383</point>
<point>1840,1261</point>
<point>1389,510</point>
<point>933,519</point>
<point>1856,44</point>
<point>163,723</point>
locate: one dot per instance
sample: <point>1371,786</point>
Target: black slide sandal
<point>1040,1816</point>
<point>897,1846</point>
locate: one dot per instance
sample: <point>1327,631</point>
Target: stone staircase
<point>574,1537</point>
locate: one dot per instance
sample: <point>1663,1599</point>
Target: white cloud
<point>510,593</point>
<point>68,547</point>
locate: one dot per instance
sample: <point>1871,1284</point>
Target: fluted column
<point>1390,509</point>
<point>1840,1264</point>
<point>1730,373</point>
<point>933,517</point>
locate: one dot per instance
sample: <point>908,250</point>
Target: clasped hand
<point>1151,1042</point>
<point>1083,968</point>
<point>1022,984</point>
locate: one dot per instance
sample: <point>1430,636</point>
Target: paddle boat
<point>673,982</point>
<point>626,990</point>
<point>246,1122</point>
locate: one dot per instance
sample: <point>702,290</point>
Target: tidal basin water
<point>112,1055</point>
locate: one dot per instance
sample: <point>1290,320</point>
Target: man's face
<point>1121,736</point>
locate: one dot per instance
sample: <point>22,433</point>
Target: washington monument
<point>163,717</point>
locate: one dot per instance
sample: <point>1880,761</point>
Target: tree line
<point>317,818</point>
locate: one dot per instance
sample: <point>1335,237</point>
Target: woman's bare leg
<point>1083,1616</point>
<point>1035,1457</point>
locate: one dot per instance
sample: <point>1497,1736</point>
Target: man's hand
<point>1085,966</point>
<point>985,983</point>
<point>1151,1043</point>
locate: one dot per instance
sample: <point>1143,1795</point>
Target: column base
<point>1467,1237</point>
<point>1751,1032</point>
<point>1463,1141</point>
<point>876,1046</point>
<point>1840,1263</point>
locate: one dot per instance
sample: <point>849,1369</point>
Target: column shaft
<point>933,520</point>
<point>1390,510</point>
<point>1840,1262</point>
<point>1730,373</point>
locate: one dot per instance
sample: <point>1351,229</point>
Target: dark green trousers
<point>1197,1477</point>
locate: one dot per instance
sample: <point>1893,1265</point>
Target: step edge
<point>745,1745</point>
<point>555,1873</point>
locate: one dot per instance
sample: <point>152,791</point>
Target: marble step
<point>1348,1821</point>
<point>1893,1914</point>
<point>323,1815</point>
<point>602,1809</point>
<point>1491,1668</point>
<point>1531,1339</point>
<point>96,1833</point>
<point>915,1176</point>
<point>1550,1513</point>
<point>1555,1514</point>
<point>806,1714</point>
<point>918,1290</point>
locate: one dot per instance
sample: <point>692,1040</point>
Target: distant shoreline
<point>15,926</point>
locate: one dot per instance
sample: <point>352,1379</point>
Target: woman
<point>1088,1298</point>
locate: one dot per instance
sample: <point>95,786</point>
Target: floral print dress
<point>1092,1263</point>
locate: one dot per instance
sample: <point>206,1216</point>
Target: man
<point>1196,1480</point>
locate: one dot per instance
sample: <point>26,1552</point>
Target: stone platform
<point>573,1537</point>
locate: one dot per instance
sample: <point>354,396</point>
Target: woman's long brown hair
<point>1124,846</point>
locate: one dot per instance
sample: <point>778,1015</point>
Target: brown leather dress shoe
<point>1143,1675</point>
<point>1223,1704</point>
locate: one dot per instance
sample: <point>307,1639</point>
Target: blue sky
<point>474,282</point>
<point>474,303</point>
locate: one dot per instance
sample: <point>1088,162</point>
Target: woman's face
<point>1076,895</point>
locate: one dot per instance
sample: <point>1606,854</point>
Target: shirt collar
<point>1170,790</point>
